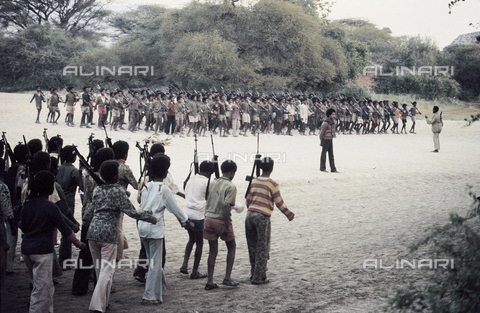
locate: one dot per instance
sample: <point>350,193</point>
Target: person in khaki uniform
<point>54,101</point>
<point>70,101</point>
<point>39,98</point>
<point>437,125</point>
<point>100,105</point>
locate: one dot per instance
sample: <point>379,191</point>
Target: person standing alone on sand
<point>437,124</point>
<point>327,133</point>
<point>39,98</point>
<point>264,192</point>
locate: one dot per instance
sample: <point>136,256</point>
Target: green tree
<point>380,42</point>
<point>37,56</point>
<point>289,44</point>
<point>356,52</point>
<point>466,63</point>
<point>77,17</point>
<point>99,57</point>
<point>315,8</point>
<point>207,59</point>
<point>143,17</point>
<point>277,45</point>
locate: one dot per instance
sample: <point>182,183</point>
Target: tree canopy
<point>77,17</point>
<point>269,45</point>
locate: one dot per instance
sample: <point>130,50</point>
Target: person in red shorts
<point>221,199</point>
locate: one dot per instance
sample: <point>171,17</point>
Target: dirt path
<point>390,189</point>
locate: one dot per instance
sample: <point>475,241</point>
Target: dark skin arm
<point>227,208</point>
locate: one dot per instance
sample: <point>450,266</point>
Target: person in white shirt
<point>304,113</point>
<point>195,202</point>
<point>156,197</point>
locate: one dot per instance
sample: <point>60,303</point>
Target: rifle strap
<point>188,177</point>
<point>208,187</point>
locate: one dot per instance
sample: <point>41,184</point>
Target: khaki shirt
<point>70,99</point>
<point>221,191</point>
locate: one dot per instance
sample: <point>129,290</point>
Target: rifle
<point>195,164</point>
<point>417,109</point>
<point>8,151</point>
<point>215,160</point>
<point>108,140</point>
<point>87,167</point>
<point>91,150</point>
<point>215,168</point>
<point>28,170</point>
<point>45,137</point>
<point>256,167</point>
<point>44,99</point>
<point>145,155</point>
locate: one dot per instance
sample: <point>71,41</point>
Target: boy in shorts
<point>221,199</point>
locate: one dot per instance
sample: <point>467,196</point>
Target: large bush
<point>37,56</point>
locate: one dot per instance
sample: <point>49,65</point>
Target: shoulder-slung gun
<point>8,151</point>
<point>108,140</point>
<point>87,167</point>
<point>195,164</point>
<point>256,166</point>
<point>145,155</point>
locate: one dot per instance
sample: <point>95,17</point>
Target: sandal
<point>211,286</point>
<point>150,302</point>
<point>183,270</point>
<point>140,279</point>
<point>230,283</point>
<point>266,281</point>
<point>198,275</point>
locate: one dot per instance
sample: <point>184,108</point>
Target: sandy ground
<point>390,189</point>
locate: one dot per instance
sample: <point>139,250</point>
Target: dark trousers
<point>82,275</point>
<point>84,115</point>
<point>65,250</point>
<point>257,229</point>
<point>90,116</point>
<point>170,121</point>
<point>327,146</point>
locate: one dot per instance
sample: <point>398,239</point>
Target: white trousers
<point>436,141</point>
<point>40,268</point>
<point>103,256</point>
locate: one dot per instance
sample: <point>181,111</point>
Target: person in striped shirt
<point>264,193</point>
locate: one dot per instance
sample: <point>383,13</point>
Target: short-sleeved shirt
<point>38,99</point>
<point>54,100</point>
<point>171,109</point>
<point>221,191</point>
<point>85,99</point>
<point>70,99</point>
<point>195,197</point>
<point>413,111</point>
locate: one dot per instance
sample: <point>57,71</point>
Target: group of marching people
<point>180,113</point>
<point>37,196</point>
